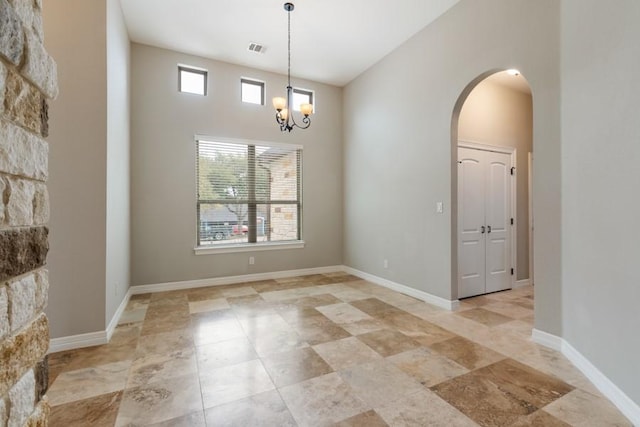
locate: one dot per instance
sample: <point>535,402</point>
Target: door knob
<point>488,229</point>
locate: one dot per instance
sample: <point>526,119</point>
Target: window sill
<point>248,247</point>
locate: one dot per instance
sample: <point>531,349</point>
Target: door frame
<point>512,152</point>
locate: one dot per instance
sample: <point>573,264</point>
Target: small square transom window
<point>252,91</point>
<point>192,80</point>
<point>301,96</point>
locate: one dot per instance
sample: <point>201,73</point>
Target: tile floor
<point>322,350</point>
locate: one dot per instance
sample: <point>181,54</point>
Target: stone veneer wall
<point>27,81</point>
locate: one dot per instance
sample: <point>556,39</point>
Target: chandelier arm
<point>306,122</point>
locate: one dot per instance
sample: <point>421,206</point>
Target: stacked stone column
<point>27,81</point>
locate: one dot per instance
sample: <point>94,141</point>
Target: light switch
<point>439,207</point>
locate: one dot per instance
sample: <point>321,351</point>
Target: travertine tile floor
<point>322,350</point>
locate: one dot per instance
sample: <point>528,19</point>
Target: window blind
<point>248,193</point>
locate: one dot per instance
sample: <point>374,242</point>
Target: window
<point>252,91</point>
<point>301,96</point>
<point>192,80</point>
<point>247,193</point>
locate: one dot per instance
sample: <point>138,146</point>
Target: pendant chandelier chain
<point>289,48</point>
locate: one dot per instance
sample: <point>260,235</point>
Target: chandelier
<point>284,112</point>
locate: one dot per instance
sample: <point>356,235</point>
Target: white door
<point>498,219</point>
<point>471,224</point>
<point>484,221</point>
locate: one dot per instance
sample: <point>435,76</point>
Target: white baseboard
<point>628,407</point>
<point>73,342</point>
<point>116,316</point>
<point>103,337</point>
<point>421,295</point>
<point>521,283</point>
<point>546,339</point>
<point>229,280</point>
<point>90,339</point>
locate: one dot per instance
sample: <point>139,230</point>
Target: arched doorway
<point>492,145</point>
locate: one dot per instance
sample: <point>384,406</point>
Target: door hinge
<point>513,170</point>
<point>512,271</point>
<point>511,221</point>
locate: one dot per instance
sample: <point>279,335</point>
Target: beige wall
<point>89,164</point>
<point>163,193</point>
<point>76,37</point>
<point>398,161</point>
<point>400,150</point>
<point>497,115</point>
<point>600,181</point>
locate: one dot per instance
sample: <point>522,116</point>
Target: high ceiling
<point>332,42</point>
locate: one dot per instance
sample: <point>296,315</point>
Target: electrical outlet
<point>252,260</point>
<point>385,263</point>
<point>439,207</point>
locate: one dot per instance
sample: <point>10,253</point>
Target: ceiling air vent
<point>257,48</point>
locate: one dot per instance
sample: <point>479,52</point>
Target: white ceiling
<point>332,41</point>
